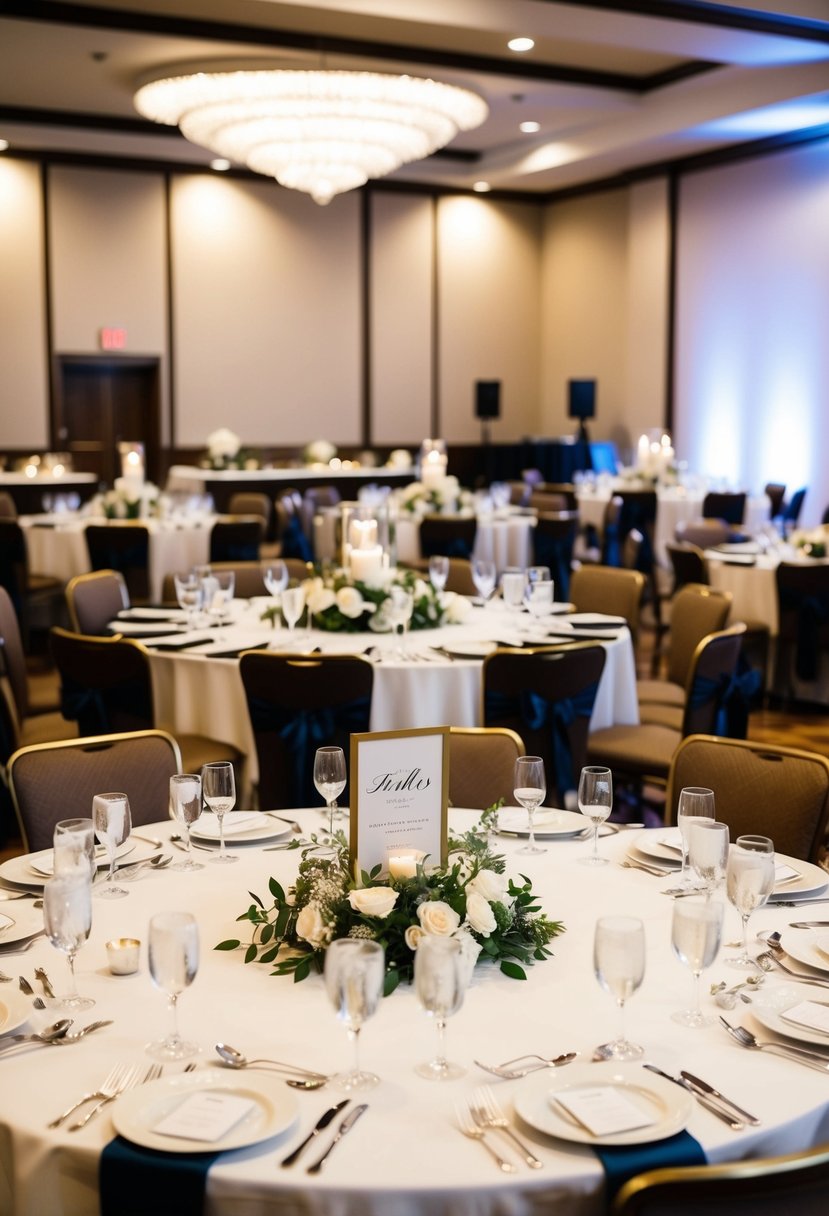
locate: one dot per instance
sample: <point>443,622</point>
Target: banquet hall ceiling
<point>614,87</point>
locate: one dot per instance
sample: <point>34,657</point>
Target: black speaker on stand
<point>487,407</point>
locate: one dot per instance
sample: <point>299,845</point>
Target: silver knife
<point>345,1127</point>
<point>809,924</point>
<point>321,1123</point>
<point>735,1124</point>
<point>715,1093</point>
<point>794,903</point>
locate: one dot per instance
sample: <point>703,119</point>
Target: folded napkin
<point>134,1181</point>
<point>234,821</point>
<point>622,1162</point>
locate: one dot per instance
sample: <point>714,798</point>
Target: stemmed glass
<point>539,598</point>
<point>440,984</point>
<point>276,578</point>
<point>696,803</point>
<point>174,961</point>
<point>217,590</point>
<point>186,805</point>
<point>293,603</point>
<point>696,929</point>
<point>74,847</point>
<point>219,792</point>
<point>749,881</point>
<point>67,918</point>
<point>513,586</point>
<point>596,802</point>
<point>483,576</point>
<point>354,970</point>
<point>438,571</point>
<point>189,595</point>
<point>329,778</point>
<point>708,853</point>
<point>529,788</point>
<point>401,606</point>
<point>113,824</point>
<point>619,964</point>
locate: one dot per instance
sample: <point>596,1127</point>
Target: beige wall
<point>646,314</point>
<point>24,416</point>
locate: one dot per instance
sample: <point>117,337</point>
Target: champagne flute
<point>174,961</point>
<point>113,824</point>
<point>483,576</point>
<point>440,984</point>
<point>596,802</point>
<point>276,578</point>
<point>696,929</point>
<point>619,964</point>
<point>219,792</point>
<point>293,603</point>
<point>708,853</point>
<point>329,778</point>
<point>749,881</point>
<point>67,919</point>
<point>354,971</point>
<point>74,847</point>
<point>186,805</point>
<point>529,788</point>
<point>438,571</point>
<point>695,803</point>
<point>189,596</point>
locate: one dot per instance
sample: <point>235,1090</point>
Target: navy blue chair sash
<point>294,541</point>
<point>538,713</point>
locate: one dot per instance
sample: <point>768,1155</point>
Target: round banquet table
<point>405,1157</point>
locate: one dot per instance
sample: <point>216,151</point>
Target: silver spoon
<point>235,1059</point>
<point>48,1035</point>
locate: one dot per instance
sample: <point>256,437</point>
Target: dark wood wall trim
<point>47,307</point>
<point>366,319</point>
<point>171,323</point>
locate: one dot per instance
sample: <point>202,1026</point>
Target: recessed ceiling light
<point>4,143</point>
<point>521,44</point>
<point>220,164</point>
<point>481,187</point>
<point>530,128</point>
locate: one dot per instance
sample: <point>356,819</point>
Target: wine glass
<point>186,805</point>
<point>174,961</point>
<point>540,598</point>
<point>67,919</point>
<point>483,576</point>
<point>293,603</point>
<point>113,824</point>
<point>440,984</point>
<point>276,578</point>
<point>749,881</point>
<point>217,592</point>
<point>74,847</point>
<point>696,929</point>
<point>619,964</point>
<point>708,853</point>
<point>513,586</point>
<point>529,788</point>
<point>329,778</point>
<point>596,802</point>
<point>219,791</point>
<point>189,595</point>
<point>438,571</point>
<point>354,970</point>
<point>695,803</point>
<point>400,608</point>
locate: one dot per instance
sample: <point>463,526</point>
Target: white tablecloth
<point>405,1157</point>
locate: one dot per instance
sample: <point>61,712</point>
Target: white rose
<point>479,915</point>
<point>310,925</point>
<point>437,918</point>
<point>492,886</point>
<point>223,442</point>
<point>470,949</point>
<point>456,607</point>
<point>413,935</point>
<point>320,599</point>
<point>350,602</point>
<point>420,589</point>
<point>412,491</point>
<point>373,901</point>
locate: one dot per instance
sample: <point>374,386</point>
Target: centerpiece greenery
<point>495,918</point>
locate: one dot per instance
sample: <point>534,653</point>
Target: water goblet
<point>483,576</point>
<point>113,824</point>
<point>189,596</point>
<point>217,594</point>
<point>293,603</point>
<point>219,791</point>
<point>354,970</point>
<point>529,788</point>
<point>174,961</point>
<point>329,778</point>
<point>440,977</point>
<point>74,847</point>
<point>749,881</point>
<point>696,803</point>
<point>438,571</point>
<point>696,930</point>
<point>708,853</point>
<point>276,578</point>
<point>513,586</point>
<point>67,919</point>
<point>540,598</point>
<point>619,964</point>
<point>186,805</point>
<point>596,802</point>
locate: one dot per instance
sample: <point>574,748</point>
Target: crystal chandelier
<point>318,131</point>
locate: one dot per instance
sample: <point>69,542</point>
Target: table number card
<point>399,795</point>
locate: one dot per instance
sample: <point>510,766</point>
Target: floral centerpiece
<point>225,451</point>
<point>471,899</point>
<point>319,451</point>
<point>442,497</point>
<point>128,501</point>
<point>813,542</point>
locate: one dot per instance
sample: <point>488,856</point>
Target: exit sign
<point>113,339</point>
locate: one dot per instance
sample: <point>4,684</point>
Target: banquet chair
<point>8,509</point>
<point>547,501</point>
<point>611,590</point>
<point>791,509</point>
<point>696,611</point>
<point>236,540</point>
<point>124,547</point>
<point>781,792</point>
<point>54,781</point>
<point>482,765</point>
<point>106,687</point>
<point>553,538</point>
<point>688,563</point>
<point>295,705</point>
<point>247,502</point>
<point>803,629</point>
<point>775,491</point>
<point>704,533</point>
<point>445,536</point>
<point>291,540</point>
<point>93,600</point>
<point>519,493</point>
<point>726,504</point>
<point>546,696</point>
<point>563,489</point>
<point>794,1185</point>
<point>28,591</point>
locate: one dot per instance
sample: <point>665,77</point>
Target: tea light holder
<point>403,863</point>
<point>123,954</point>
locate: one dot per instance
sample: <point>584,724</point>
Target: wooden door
<point>102,401</point>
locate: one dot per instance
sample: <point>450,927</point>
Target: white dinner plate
<point>240,827</point>
<point>667,1104</point>
<point>802,946</point>
<point>138,629</point>
<point>14,1009</point>
<point>549,823</point>
<point>812,879</point>
<point>26,922</point>
<point>21,872</point>
<point>471,650</point>
<point>596,620</point>
<point>43,864</point>
<point>655,845</point>
<point>152,614</point>
<point>769,1003</point>
<point>137,1112</point>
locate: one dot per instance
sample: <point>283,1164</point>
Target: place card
<point>814,1015</point>
<point>206,1115</point>
<point>603,1110</point>
<point>784,873</point>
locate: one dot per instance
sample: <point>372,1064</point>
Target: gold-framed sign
<point>399,795</point>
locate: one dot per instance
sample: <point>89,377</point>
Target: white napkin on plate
<point>234,821</point>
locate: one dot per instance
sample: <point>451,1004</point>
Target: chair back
<point>289,531</point>
<point>460,578</point>
<point>726,505</point>
<point>93,600</point>
<point>14,565</point>
<point>124,547</point>
<point>546,696</point>
<point>13,660</point>
<point>53,781</point>
<point>688,564</point>
<point>553,537</point>
<point>236,540</point>
<point>710,691</point>
<point>775,491</point>
<point>780,792</point>
<point>542,500</point>
<point>105,683</point>
<point>482,765</point>
<point>8,508</point>
<point>564,489</point>
<point>792,509</point>
<point>639,511</point>
<point>297,704</point>
<point>803,613</point>
<point>705,533</point>
<point>445,536</point>
<point>609,589</point>
<point>519,493</point>
<point>696,611</point>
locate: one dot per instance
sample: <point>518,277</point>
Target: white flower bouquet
<point>320,451</point>
<point>125,501</point>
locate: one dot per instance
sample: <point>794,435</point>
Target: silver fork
<point>629,864</point>
<point>132,1078</point>
<point>111,1081</point>
<point>487,1113</point>
<point>506,1073</point>
<point>746,1039</point>
<point>768,960</point>
<point>468,1126</point>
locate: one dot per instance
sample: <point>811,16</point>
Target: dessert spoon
<point>235,1059</point>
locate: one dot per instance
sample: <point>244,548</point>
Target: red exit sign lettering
<point>113,339</point>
